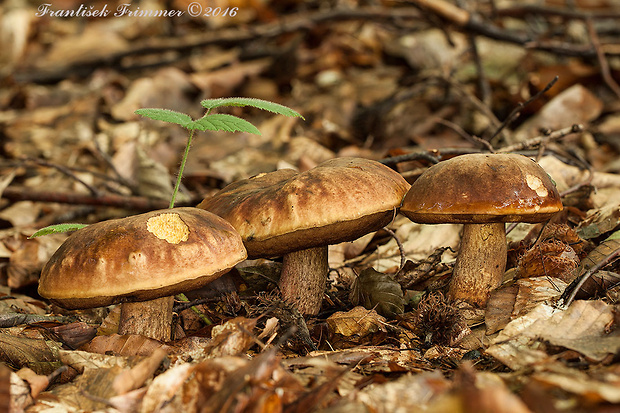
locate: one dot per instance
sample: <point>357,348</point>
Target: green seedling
<point>214,122</point>
<point>209,121</point>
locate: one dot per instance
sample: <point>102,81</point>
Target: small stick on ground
<point>571,291</point>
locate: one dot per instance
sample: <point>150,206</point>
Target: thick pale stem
<point>480,264</point>
<point>148,318</point>
<point>303,279</point>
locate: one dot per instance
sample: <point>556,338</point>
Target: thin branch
<point>516,112</point>
<point>544,139</point>
<point>466,135</point>
<point>401,248</point>
<point>127,202</point>
<point>94,191</point>
<point>475,24</point>
<point>600,55</point>
<point>573,288</point>
<point>118,177</point>
<point>414,156</point>
<point>567,13</point>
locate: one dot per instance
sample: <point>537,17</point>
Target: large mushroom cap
<point>285,211</point>
<point>482,188</point>
<point>142,257</point>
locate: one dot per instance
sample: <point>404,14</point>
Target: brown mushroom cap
<point>142,257</point>
<point>482,188</point>
<point>285,211</point>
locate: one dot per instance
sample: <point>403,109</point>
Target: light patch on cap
<point>169,227</point>
<point>536,185</point>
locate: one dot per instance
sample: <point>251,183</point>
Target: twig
<point>401,248</point>
<point>477,103</point>
<point>573,288</point>
<point>466,135</point>
<point>538,140</point>
<point>605,72</point>
<point>94,191</point>
<point>184,305</point>
<point>516,112</point>
<point>183,298</point>
<point>127,202</point>
<point>108,161</point>
<point>583,164</point>
<point>473,23</point>
<point>414,156</point>
<point>567,13</point>
<point>483,83</point>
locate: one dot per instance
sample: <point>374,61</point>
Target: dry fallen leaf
<point>171,390</point>
<point>232,338</point>
<point>516,299</point>
<point>582,327</point>
<point>486,392</point>
<point>408,393</point>
<point>594,390</point>
<point>36,354</point>
<point>356,322</point>
<point>37,382</point>
<point>129,345</point>
<point>135,378</point>
<point>378,291</point>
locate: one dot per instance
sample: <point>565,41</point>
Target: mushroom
<point>141,261</point>
<point>482,191</point>
<point>297,215</point>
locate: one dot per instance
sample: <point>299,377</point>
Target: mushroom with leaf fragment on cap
<point>141,261</point>
<point>297,215</point>
<point>482,191</point>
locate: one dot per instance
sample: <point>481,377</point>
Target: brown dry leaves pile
<point>374,80</point>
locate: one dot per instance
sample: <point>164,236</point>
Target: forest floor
<point>408,84</point>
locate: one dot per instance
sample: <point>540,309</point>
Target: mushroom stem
<point>303,278</point>
<point>152,318</point>
<point>480,264</point>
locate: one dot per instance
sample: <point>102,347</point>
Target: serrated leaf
<point>167,115</point>
<point>253,102</point>
<point>57,229</point>
<point>224,122</point>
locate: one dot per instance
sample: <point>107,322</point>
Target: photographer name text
<point>194,9</point>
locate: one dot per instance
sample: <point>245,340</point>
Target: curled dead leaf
<point>375,290</point>
<point>356,322</point>
<point>136,377</point>
<point>232,338</point>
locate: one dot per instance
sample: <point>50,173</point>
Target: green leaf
<point>167,115</point>
<point>57,229</point>
<point>224,122</point>
<point>615,235</point>
<point>255,103</point>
